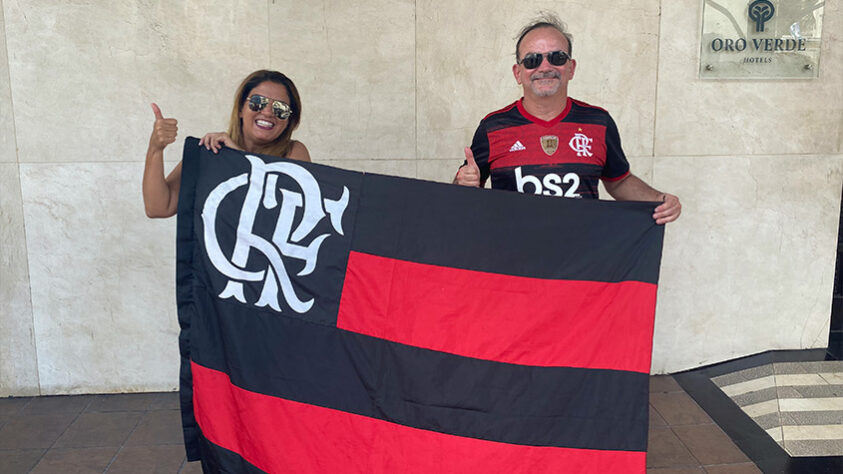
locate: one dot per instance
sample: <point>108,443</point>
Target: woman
<point>266,110</point>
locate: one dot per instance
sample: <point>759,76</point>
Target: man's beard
<point>545,75</point>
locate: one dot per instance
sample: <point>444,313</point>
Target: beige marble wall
<point>749,266</point>
<point>730,117</point>
<point>18,364</point>
<point>393,87</point>
<point>354,65</point>
<point>81,76</point>
<point>7,126</point>
<point>93,68</point>
<point>102,280</point>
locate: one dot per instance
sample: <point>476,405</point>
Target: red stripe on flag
<point>518,320</point>
<point>278,435</point>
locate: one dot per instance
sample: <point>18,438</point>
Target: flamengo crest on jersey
<point>581,144</point>
<point>289,239</point>
<point>550,143</point>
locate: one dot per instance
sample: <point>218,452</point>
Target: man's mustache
<point>546,75</point>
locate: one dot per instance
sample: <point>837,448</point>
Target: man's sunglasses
<point>281,110</point>
<point>534,60</point>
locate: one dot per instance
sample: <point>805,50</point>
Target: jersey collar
<point>545,123</point>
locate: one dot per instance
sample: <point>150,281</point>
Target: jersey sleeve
<point>480,149</point>
<point>617,166</point>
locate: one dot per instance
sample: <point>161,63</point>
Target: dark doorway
<point>835,334</point>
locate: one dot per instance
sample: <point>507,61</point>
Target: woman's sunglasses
<point>534,60</point>
<point>281,110</point>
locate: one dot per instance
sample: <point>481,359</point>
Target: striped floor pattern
<point>799,404</point>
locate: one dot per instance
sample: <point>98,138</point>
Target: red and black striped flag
<point>335,321</point>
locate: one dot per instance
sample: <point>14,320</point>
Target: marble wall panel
<point>397,167</point>
<point>353,63</point>
<point>103,285</point>
<point>83,73</point>
<point>442,171</point>
<point>744,117</point>
<point>7,124</point>
<point>749,266</point>
<point>18,369</point>
<point>642,166</point>
<point>465,55</point>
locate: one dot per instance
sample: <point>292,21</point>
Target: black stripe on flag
<point>460,227</point>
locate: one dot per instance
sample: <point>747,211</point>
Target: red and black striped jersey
<point>565,156</point>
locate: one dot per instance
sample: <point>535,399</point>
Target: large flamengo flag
<point>335,321</point>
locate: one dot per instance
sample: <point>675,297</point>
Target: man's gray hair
<point>545,20</point>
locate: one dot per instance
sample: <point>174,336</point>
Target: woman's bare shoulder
<point>299,152</point>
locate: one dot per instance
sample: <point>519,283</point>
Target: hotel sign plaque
<point>761,39</point>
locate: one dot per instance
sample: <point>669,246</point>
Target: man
<point>547,143</point>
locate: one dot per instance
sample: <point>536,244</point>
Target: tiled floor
<point>140,433</point>
<point>684,439</point>
<point>746,393</point>
<point>136,433</point>
<point>799,404</point>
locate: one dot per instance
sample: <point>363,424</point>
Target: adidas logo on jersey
<point>517,146</point>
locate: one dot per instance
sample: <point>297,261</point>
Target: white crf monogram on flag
<point>288,238</point>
